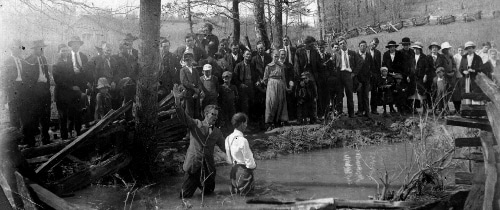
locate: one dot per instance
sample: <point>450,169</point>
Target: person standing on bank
<point>190,79</point>
<point>470,65</point>
<point>210,42</point>
<point>393,59</point>
<point>377,63</point>
<point>14,76</point>
<point>199,165</point>
<point>363,78</point>
<point>244,80</point>
<point>38,82</point>
<point>276,107</point>
<point>408,56</point>
<point>349,63</point>
<point>240,156</point>
<point>452,80</point>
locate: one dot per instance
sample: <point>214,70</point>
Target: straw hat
<point>434,44</point>
<point>75,39</point>
<point>445,45</point>
<point>469,44</point>
<point>103,83</point>
<point>38,44</point>
<point>384,69</point>
<point>391,43</point>
<point>207,67</point>
<point>417,45</point>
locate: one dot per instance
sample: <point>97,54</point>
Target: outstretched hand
<point>176,91</point>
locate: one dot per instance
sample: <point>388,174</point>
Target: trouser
<point>192,107</point>
<point>323,96</point>
<point>203,179</point>
<point>374,96</point>
<point>69,111</point>
<point>291,102</point>
<point>242,180</point>
<point>246,98</point>
<point>307,109</point>
<point>336,96</point>
<point>346,85</point>
<point>38,113</point>
<point>363,100</point>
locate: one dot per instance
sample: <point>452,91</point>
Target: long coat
<point>395,66</point>
<point>366,68</point>
<point>377,63</point>
<point>65,78</point>
<point>418,70</point>
<point>113,71</point>
<point>259,66</point>
<point>477,65</point>
<point>230,62</point>
<point>169,72</point>
<point>301,64</point>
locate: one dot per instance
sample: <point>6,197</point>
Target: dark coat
<point>408,57</point>
<point>240,72</point>
<point>385,92</point>
<point>230,62</point>
<point>169,72</point>
<point>301,64</point>
<point>478,66</point>
<point>259,66</point>
<point>65,78</point>
<point>293,50</point>
<point>210,49</point>
<point>355,61</point>
<point>190,81</point>
<point>98,65</point>
<point>128,65</point>
<point>417,72</point>
<point>198,53</point>
<point>434,64</point>
<point>377,62</point>
<point>366,69</point>
<point>9,76</point>
<point>32,71</point>
<point>395,66</point>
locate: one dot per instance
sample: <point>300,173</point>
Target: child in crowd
<point>306,94</point>
<point>439,86</point>
<point>210,86</point>
<point>103,99</point>
<point>400,94</point>
<point>384,85</point>
<point>228,95</point>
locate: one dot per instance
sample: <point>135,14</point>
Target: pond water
<point>340,173</point>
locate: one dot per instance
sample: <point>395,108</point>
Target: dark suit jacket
<point>408,57</point>
<point>198,53</point>
<point>33,72</point>
<point>301,64</point>
<point>440,62</point>
<point>240,72</point>
<point>421,68</point>
<point>259,66</point>
<point>99,66</point>
<point>395,66</point>
<point>293,50</point>
<point>210,49</point>
<point>65,78</point>
<point>169,72</point>
<point>190,80</point>
<point>366,69</point>
<point>9,75</point>
<point>355,61</point>
<point>377,62</point>
<point>477,65</point>
<point>231,63</point>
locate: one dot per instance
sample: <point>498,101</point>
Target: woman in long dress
<point>274,77</point>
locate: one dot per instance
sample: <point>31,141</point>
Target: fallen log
<point>45,149</point>
<point>108,118</point>
<point>324,203</point>
<point>92,174</point>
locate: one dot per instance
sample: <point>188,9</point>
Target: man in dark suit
<point>363,77</point>
<point>289,49</point>
<point>307,59</point>
<point>243,79</point>
<point>169,70</point>
<point>420,74</point>
<point>233,58</point>
<point>323,94</point>
<point>377,64</point>
<point>333,79</point>
<point>39,97</point>
<point>393,59</point>
<point>13,82</point>
<point>129,44</point>
<point>408,56</point>
<point>258,65</point>
<point>348,62</point>
<point>210,42</point>
<point>198,53</point>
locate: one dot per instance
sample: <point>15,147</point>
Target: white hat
<point>445,45</point>
<point>102,83</point>
<point>469,44</point>
<point>418,45</point>
<point>207,67</point>
<point>384,68</point>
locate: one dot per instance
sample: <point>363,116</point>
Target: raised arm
<point>181,113</point>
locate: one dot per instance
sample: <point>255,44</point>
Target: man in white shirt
<point>240,156</point>
<point>78,59</point>
<point>483,53</point>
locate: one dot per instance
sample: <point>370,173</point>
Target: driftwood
<point>447,19</point>
<point>482,124</point>
<point>325,203</point>
<point>93,173</point>
<point>108,118</point>
<point>420,21</point>
<point>468,110</point>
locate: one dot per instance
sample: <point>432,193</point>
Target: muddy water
<point>341,173</point>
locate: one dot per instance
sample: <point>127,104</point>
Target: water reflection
<point>359,168</point>
<point>347,168</point>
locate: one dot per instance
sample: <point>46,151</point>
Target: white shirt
<point>372,52</point>
<point>469,59</point>
<point>235,57</point>
<point>19,68</point>
<point>345,57</point>
<point>392,55</point>
<point>458,59</point>
<point>417,57</point>
<point>237,149</point>
<point>289,53</point>
<point>363,54</point>
<point>75,57</point>
<point>190,69</point>
<point>41,74</point>
<point>484,56</point>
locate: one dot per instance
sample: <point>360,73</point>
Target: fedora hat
<point>38,44</point>
<point>445,45</point>
<point>469,44</point>
<point>130,37</point>
<point>417,45</point>
<point>434,44</point>
<point>103,83</point>
<point>391,43</point>
<point>75,39</point>
<point>405,40</point>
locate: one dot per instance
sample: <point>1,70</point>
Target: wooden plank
<point>4,201</point>
<point>482,124</point>
<point>469,110</point>
<point>53,200</point>
<point>489,88</point>
<point>475,198</point>
<point>28,201</point>
<point>494,118</point>
<point>468,142</point>
<point>475,96</point>
<point>324,203</point>
<point>490,170</point>
<point>462,177</point>
<point>58,157</point>
<point>477,157</point>
<point>93,173</point>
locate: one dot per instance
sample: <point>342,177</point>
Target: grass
<point>456,33</point>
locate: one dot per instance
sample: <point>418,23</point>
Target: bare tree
<point>236,22</point>
<point>320,21</point>
<point>278,24</point>
<point>260,22</point>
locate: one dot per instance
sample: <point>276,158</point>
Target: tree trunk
<point>320,21</point>
<point>236,22</point>
<point>286,20</point>
<point>270,21</point>
<point>325,22</point>
<point>147,98</point>
<point>278,24</point>
<point>260,22</point>
<point>189,16</point>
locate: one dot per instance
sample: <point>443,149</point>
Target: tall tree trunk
<point>236,22</point>
<point>326,25</point>
<point>278,10</point>
<point>286,20</point>
<point>270,21</point>
<point>189,16</point>
<point>320,21</point>
<point>339,17</point>
<point>260,22</point>
<point>146,103</point>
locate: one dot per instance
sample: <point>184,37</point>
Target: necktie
<point>41,77</point>
<point>289,53</point>
<point>19,68</point>
<point>346,61</point>
<point>308,56</point>
<point>79,60</point>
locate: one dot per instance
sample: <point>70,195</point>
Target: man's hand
<point>466,72</point>
<point>472,70</point>
<point>176,91</point>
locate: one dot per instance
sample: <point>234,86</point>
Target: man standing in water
<point>199,165</point>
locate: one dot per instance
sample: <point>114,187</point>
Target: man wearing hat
<point>13,74</point>
<point>39,97</point>
<point>209,85</point>
<point>393,59</point>
<point>470,65</point>
<point>451,75</point>
<point>198,53</point>
<point>483,53</point>
<point>169,69</point>
<point>258,65</point>
<point>78,59</point>
<point>190,79</point>
<point>306,93</point>
<point>377,63</point>
<point>363,79</point>
<point>408,56</point>
<point>210,42</point>
<point>420,74</point>
<point>244,79</point>
<point>348,63</point>
<point>129,43</point>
